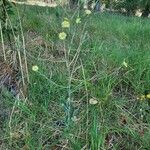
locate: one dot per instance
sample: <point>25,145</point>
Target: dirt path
<point>38,3</point>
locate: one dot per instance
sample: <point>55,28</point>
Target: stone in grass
<point>93,101</point>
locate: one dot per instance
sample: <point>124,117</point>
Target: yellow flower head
<point>65,24</point>
<point>142,97</point>
<point>35,68</point>
<point>87,12</point>
<point>148,96</point>
<point>125,64</point>
<point>62,36</point>
<point>78,20</point>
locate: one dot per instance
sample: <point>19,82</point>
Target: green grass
<point>57,113</point>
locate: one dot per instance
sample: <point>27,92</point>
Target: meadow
<point>87,90</point>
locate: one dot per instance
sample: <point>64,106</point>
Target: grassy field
<point>86,94</point>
